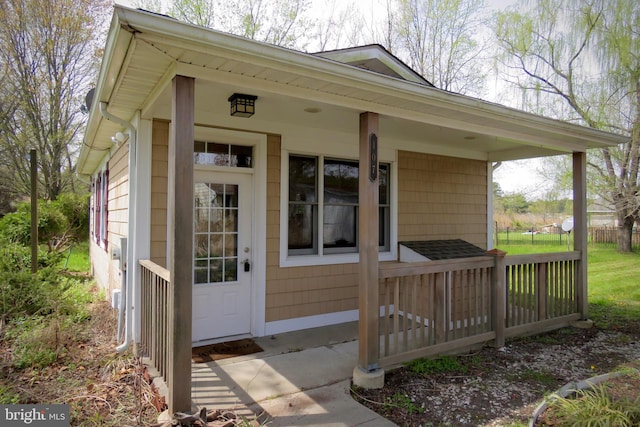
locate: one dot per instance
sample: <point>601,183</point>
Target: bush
<point>44,309</point>
<point>22,292</point>
<point>44,316</point>
<point>60,222</point>
<point>35,341</point>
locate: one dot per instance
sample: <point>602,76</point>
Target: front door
<point>222,255</point>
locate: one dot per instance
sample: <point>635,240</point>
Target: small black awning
<point>444,249</point>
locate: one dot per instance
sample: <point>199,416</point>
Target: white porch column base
<point>368,380</point>
<point>582,324</point>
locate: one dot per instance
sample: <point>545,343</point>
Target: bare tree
<point>197,12</point>
<point>48,60</point>
<point>580,61</point>
<point>441,39</point>
<point>279,22</point>
<point>335,27</point>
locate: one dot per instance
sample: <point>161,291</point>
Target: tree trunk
<point>625,233</point>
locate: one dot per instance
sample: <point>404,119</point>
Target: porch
<point>426,309</point>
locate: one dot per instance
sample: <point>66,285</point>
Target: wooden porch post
<point>498,301</point>
<point>580,228</point>
<point>368,374</point>
<point>180,200</point>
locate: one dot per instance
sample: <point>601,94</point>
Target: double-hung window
<point>323,206</point>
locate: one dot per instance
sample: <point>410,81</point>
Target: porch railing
<point>436,307</point>
<point>541,292</point>
<point>427,308</point>
<point>155,304</point>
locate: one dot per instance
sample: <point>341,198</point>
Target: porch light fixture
<point>242,105</point>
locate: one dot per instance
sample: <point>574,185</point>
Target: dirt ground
<point>494,387</point>
<point>102,387</point>
<point>502,387</point>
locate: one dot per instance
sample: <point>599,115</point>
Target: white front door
<point>222,255</point>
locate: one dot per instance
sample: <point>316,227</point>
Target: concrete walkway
<point>300,379</point>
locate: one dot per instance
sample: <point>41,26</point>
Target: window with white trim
<point>99,211</point>
<point>323,206</point>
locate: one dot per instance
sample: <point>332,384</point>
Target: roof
<point>144,51</point>
<point>444,249</point>
<point>375,58</point>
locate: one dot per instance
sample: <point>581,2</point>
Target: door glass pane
<point>231,245</point>
<point>201,271</point>
<point>201,249</point>
<point>215,233</point>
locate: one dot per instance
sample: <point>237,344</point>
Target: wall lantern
<point>242,105</point>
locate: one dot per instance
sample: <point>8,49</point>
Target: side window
<point>99,208</point>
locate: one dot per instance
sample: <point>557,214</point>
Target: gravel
<point>498,387</point>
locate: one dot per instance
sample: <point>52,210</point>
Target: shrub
<point>40,327</point>
<point>22,292</point>
<point>60,222</point>
<point>593,407</point>
<point>35,341</point>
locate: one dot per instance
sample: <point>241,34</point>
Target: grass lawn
<point>614,279</point>
<point>77,258</point>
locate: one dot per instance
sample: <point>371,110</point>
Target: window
<point>100,189</point>
<point>323,206</point>
<point>216,154</point>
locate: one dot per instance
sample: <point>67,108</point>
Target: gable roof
<point>145,50</point>
<point>375,58</point>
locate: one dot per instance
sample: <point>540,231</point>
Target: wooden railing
<point>435,307</point>
<point>427,306</point>
<point>540,290</point>
<point>155,304</point>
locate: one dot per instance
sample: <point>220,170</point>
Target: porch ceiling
<point>145,50</point>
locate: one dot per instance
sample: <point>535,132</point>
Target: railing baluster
<point>396,315</point>
<point>154,322</point>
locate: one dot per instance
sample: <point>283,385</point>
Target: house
<point>247,189</point>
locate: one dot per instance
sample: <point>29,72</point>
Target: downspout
<point>126,308</point>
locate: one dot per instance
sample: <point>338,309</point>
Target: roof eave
<point>116,48</point>
<point>127,21</point>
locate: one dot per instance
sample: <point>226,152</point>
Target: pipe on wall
<point>127,297</point>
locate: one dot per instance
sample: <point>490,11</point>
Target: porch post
<point>180,200</point>
<point>367,373</point>
<point>498,297</point>
<point>580,228</point>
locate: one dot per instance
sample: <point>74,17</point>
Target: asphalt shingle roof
<point>445,249</point>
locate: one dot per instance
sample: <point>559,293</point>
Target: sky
<point>513,177</point>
